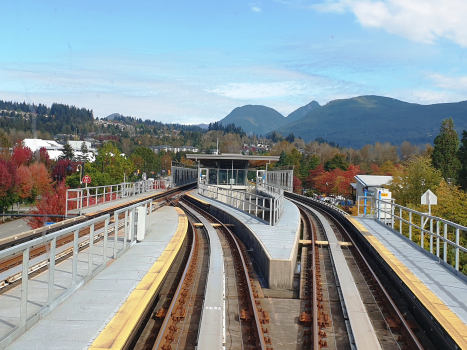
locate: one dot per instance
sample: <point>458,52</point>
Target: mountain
<point>302,111</point>
<point>255,118</point>
<point>357,121</point>
<point>202,126</point>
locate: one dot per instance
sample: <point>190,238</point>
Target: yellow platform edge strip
<point>197,199</point>
<point>116,333</point>
<point>451,323</point>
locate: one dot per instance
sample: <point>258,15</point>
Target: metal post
<point>392,216</point>
<point>24,288</point>
<point>106,237</point>
<point>445,248</point>
<point>66,204</point>
<point>74,272</point>
<point>125,229</point>
<point>115,234</point>
<point>422,234</point>
<point>437,239</point>
<point>103,201</point>
<point>50,295</point>
<point>431,236</point>
<point>91,249</point>
<point>410,225</point>
<point>457,249</point>
<point>256,208</point>
<point>400,220</point>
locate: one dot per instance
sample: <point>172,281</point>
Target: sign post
<point>429,198</point>
<point>86,180</point>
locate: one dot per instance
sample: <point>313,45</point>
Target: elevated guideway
<point>97,293</point>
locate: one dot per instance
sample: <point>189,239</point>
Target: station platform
<point>274,247</point>
<point>110,204</point>
<point>105,310</point>
<point>442,293</point>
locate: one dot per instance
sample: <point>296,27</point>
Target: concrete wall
<point>278,273</point>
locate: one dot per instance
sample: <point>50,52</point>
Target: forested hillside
<point>364,120</point>
<point>57,119</point>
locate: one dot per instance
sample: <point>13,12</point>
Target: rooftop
<point>373,180</point>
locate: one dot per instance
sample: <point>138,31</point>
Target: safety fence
<point>83,251</point>
<point>444,239</point>
<point>268,207</point>
<point>79,198</point>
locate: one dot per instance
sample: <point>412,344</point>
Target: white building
<point>370,183</point>
<point>54,149</point>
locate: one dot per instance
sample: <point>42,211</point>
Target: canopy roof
<point>212,159</point>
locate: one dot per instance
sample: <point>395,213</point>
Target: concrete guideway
<point>441,292</point>
<point>78,321</point>
<point>275,247</point>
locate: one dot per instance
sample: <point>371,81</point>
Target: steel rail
<point>258,328</point>
<point>412,340</point>
<point>168,317</point>
<point>314,281</point>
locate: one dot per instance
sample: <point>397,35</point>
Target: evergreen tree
<point>282,159</point>
<point>462,155</point>
<point>68,152</point>
<point>445,152</point>
<point>83,157</point>
<point>290,138</point>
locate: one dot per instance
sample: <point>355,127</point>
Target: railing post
<point>125,229</point>
<point>445,245</point>
<point>103,201</point>
<point>392,215</point>
<point>431,235</point>
<point>400,220</point>
<point>66,204</point>
<point>106,237</point>
<point>24,288</point>
<point>410,225</point>
<point>74,272</point>
<point>50,295</point>
<point>457,248</point>
<point>422,234</point>
<point>115,234</point>
<point>91,249</point>
<point>437,239</point>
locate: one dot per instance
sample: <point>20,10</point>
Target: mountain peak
<point>302,111</point>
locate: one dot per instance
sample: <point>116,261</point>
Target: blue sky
<point>195,61</point>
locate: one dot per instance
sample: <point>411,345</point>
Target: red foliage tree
<point>44,158</point>
<point>41,179</point>
<point>22,155</point>
<point>297,185</point>
<point>25,183</point>
<point>59,171</point>
<point>51,203</point>
<point>7,184</point>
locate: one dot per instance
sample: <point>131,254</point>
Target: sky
<point>193,62</point>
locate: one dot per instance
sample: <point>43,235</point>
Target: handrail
<point>248,202</point>
<point>402,218</point>
<point>90,196</point>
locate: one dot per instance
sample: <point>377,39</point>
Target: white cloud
<point>418,20</point>
<point>253,91</point>
<point>254,7</point>
<point>449,82</point>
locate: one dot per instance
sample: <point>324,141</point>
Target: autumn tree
<point>51,203</point>
<point>22,155</point>
<point>445,152</point>
<point>7,184</point>
<point>412,180</point>
<point>25,184</point>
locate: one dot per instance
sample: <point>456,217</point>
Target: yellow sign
<point>384,194</point>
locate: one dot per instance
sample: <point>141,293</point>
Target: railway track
<point>215,301</point>
<point>394,328</point>
<point>13,264</point>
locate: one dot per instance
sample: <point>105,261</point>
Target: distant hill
<point>301,112</point>
<point>255,118</point>
<point>113,115</point>
<point>361,120</point>
<point>202,126</point>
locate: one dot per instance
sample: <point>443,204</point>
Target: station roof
<point>373,180</point>
<point>236,158</point>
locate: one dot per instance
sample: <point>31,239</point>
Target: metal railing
<point>99,239</point>
<point>268,208</point>
<point>442,237</point>
<point>79,198</point>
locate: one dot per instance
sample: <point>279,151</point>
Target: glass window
<point>241,177</point>
<point>212,177</point>
<point>223,177</point>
